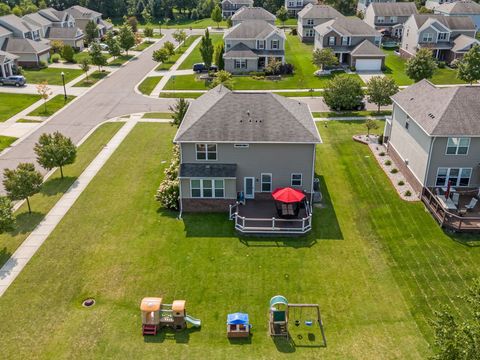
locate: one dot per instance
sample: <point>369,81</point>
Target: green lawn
<point>332,114</point>
<point>147,85</point>
<point>157,115</point>
<point>300,93</point>
<point>51,75</point>
<point>120,60</point>
<point>395,68</point>
<point>180,95</point>
<point>179,52</point>
<point>6,141</point>
<point>12,104</point>
<point>144,45</point>
<point>52,190</point>
<point>85,55</point>
<point>195,56</point>
<point>378,267</point>
<point>93,78</point>
<point>53,105</point>
<point>28,121</point>
<point>178,23</point>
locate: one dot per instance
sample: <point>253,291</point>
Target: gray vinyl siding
<point>440,159</point>
<point>412,144</point>
<point>252,65</point>
<point>230,188</point>
<point>281,160</point>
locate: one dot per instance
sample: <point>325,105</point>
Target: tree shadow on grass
<point>167,334</point>
<point>240,341</point>
<point>4,256</point>
<point>57,185</point>
<point>25,222</point>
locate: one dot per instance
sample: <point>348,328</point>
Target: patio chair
<point>471,205</point>
<point>456,198</point>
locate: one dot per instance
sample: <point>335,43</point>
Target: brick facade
<point>206,205</point>
<point>400,164</point>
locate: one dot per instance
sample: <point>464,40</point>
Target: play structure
<point>156,315</point>
<point>238,326</point>
<point>281,312</point>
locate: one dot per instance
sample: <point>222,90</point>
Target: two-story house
<point>7,60</point>
<point>250,45</point>
<point>355,43</point>
<point>253,13</point>
<point>83,15</point>
<point>362,5</point>
<point>389,18</point>
<point>433,4</point>
<point>295,6</point>
<point>250,143</point>
<point>461,8</point>
<point>311,16</point>
<point>441,34</point>
<point>230,7</point>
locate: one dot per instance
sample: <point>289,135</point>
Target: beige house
<point>83,15</point>
<point>311,16</point>
<point>362,5</point>
<point>388,18</point>
<point>253,13</point>
<point>295,6</point>
<point>230,7</point>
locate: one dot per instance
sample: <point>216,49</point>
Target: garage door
<point>368,64</point>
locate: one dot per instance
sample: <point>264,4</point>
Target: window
<point>344,41</point>
<point>241,146</point>
<point>442,36</point>
<point>458,146</point>
<point>331,40</point>
<point>206,151</point>
<point>428,37</point>
<point>260,44</point>
<point>275,44</point>
<point>310,22</point>
<point>299,2</point>
<point>240,64</point>
<point>456,176</point>
<point>381,19</point>
<point>291,3</point>
<point>207,188</point>
<point>296,180</point>
<point>393,19</point>
<point>228,45</point>
<point>309,33</point>
<point>266,182</point>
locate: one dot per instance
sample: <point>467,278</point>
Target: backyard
<point>377,266</point>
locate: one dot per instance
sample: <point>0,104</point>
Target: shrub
<point>382,153</point>
<point>55,58</point>
<point>401,183</point>
<point>408,193</point>
<point>394,171</point>
<point>286,69</point>
<point>388,163</point>
<point>68,53</point>
<point>256,73</point>
<point>18,70</point>
<point>441,64</point>
<point>353,68</point>
<point>454,63</point>
<point>42,64</point>
<point>168,193</point>
<point>293,32</point>
<point>380,139</point>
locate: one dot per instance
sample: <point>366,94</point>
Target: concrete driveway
<point>367,75</point>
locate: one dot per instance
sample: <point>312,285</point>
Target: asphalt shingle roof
<point>6,55</point>
<point>367,48</point>
<point>18,23</point>
<point>239,2</point>
<point>253,13</point>
<point>208,170</point>
<point>80,12</point>
<point>38,19</point>
<point>63,33</point>
<point>222,115</point>
<point>352,26</point>
<point>394,9</point>
<point>463,42</point>
<point>4,32</point>
<point>312,11</point>
<point>24,46</point>
<point>459,8</point>
<point>252,29</point>
<point>452,22</point>
<point>451,111</point>
<point>240,50</point>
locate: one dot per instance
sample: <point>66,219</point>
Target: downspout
<point>427,171</point>
<point>180,186</point>
<point>313,179</point>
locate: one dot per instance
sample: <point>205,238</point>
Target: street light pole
<point>64,88</point>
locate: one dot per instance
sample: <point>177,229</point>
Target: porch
<point>261,216</point>
<point>459,211</point>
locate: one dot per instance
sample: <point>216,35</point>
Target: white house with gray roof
<point>389,17</point>
<point>362,5</point>
<point>354,42</point>
<point>311,16</point>
<point>295,6</point>
<point>230,7</point>
<point>239,142</point>
<point>253,13</point>
<point>251,44</point>
<point>441,34</point>
<point>461,8</point>
<point>434,135</point>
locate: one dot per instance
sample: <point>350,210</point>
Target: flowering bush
<point>169,190</point>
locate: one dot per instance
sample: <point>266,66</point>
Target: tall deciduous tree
<point>55,150</point>
<point>91,31</point>
<point>22,182</point>
<point>343,93</point>
<point>282,15</point>
<point>324,58</point>
<point>126,37</point>
<point>96,55</point>
<point>179,110</point>
<point>217,15</point>
<point>219,60</point>
<point>206,49</point>
<point>421,66</point>
<point>7,220</point>
<point>469,66</point>
<point>168,45</point>
<point>380,89</point>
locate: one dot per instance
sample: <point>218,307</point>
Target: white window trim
<point>206,152</point>
<point>381,19</point>
<point>310,21</point>
<point>277,44</point>
<point>458,146</point>
<point>261,182</point>
<point>427,39</point>
<point>447,177</point>
<point>262,42</point>
<point>201,188</point>
<point>291,179</point>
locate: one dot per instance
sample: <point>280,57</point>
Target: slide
<point>193,321</point>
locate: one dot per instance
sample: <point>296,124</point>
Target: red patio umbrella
<point>288,195</point>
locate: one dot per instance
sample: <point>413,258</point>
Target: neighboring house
<point>37,20</point>
<point>353,41</point>
<point>461,8</point>
<point>439,33</point>
<point>389,18</point>
<point>434,135</point>
<point>250,45</point>
<point>362,5</point>
<point>253,13</point>
<point>295,6</point>
<point>433,4</point>
<point>58,18</point>
<point>20,28</point>
<point>67,35</point>
<point>83,15</point>
<point>239,142</point>
<point>311,16</point>
<point>7,60</point>
<point>230,7</point>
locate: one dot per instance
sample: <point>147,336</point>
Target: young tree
<point>57,46</point>
<point>168,45</point>
<point>96,55</point>
<point>469,66</point>
<point>282,15</point>
<point>55,150</point>
<point>206,49</point>
<point>148,31</point>
<point>421,66</point>
<point>68,54</point>
<point>179,110</point>
<point>85,66</point>
<point>379,90</point>
<point>114,48</point>
<point>217,15</point>
<point>218,55</point>
<point>160,55</point>
<point>133,23</point>
<point>224,78</point>
<point>22,182</point>
<point>273,67</point>
<point>229,22</point>
<point>324,58</point>
<point>7,220</point>
<point>370,124</point>
<point>343,93</point>
<point>91,31</point>
<point>44,91</point>
<point>138,38</point>
<point>180,36</point>
<point>126,37</point>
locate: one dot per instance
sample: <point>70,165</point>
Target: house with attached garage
<point>355,43</point>
<point>461,8</point>
<point>388,18</point>
<point>253,13</point>
<point>230,7</point>
<point>236,148</point>
<point>449,37</point>
<point>83,15</point>
<point>295,6</point>
<point>311,16</point>
<point>362,5</point>
<point>251,44</point>
<point>434,139</point>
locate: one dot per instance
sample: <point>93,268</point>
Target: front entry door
<point>249,187</point>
